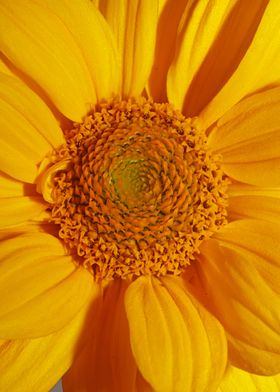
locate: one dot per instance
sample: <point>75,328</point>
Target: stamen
<point>140,191</point>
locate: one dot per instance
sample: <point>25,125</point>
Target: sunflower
<point>140,186</point>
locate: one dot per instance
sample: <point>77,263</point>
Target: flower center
<point>135,190</point>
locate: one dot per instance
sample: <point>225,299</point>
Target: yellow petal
<point>9,187</point>
<point>28,129</point>
<point>264,173</point>
<point>209,351</point>
<point>248,137</point>
<point>26,102</point>
<point>253,116</point>
<point>115,367</point>
<point>177,344</point>
<point>134,24</point>
<point>240,189</point>
<point>4,68</point>
<point>168,21</point>
<point>237,380</point>
<point>17,210</point>
<point>240,271</point>
<point>258,68</point>
<point>45,183</point>
<point>257,207</point>
<point>16,163</point>
<point>253,202</point>
<point>41,289</point>
<point>198,30</point>
<point>96,42</point>
<point>37,364</point>
<point>37,42</point>
<point>267,361</point>
<point>24,147</point>
<point>38,224</point>
<point>110,366</point>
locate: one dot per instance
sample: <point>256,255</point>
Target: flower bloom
<point>140,186</point>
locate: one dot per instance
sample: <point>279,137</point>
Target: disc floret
<point>140,190</point>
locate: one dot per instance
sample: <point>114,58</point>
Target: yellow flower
<point>140,192</point>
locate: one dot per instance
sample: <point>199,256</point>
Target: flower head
<point>139,195</point>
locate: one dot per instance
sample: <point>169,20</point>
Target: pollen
<point>135,190</point>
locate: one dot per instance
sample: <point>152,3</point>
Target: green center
<point>133,181</point>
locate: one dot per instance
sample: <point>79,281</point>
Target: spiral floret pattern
<point>140,191</point>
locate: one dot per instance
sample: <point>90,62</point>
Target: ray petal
<point>240,274</point>
<point>41,286</point>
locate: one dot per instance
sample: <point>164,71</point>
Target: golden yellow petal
<point>37,364</point>
<point>242,355</point>
<point>248,137</point>
<point>39,224</point>
<point>173,338</point>
<point>26,102</point>
<point>198,31</point>
<point>159,338</point>
<point>257,207</point>
<point>240,273</point>
<point>134,24</point>
<point>14,231</point>
<point>264,173</point>
<point>253,202</point>
<point>9,187</point>
<point>28,129</point>
<point>24,147</point>
<point>96,42</point>
<point>258,68</point>
<point>115,367</point>
<point>41,289</point>
<point>253,116</point>
<point>4,68</point>
<point>108,365</point>
<point>37,42</point>
<point>237,380</point>
<point>18,210</point>
<point>236,189</point>
<point>9,163</point>
<point>209,351</point>
<point>168,21</point>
